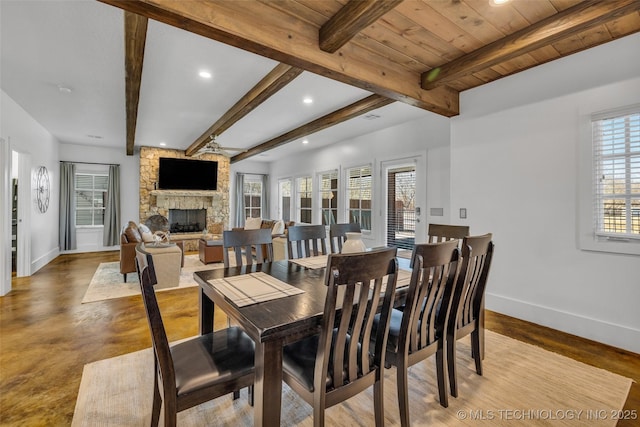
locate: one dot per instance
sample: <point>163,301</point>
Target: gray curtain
<point>111,231</point>
<point>239,199</point>
<point>265,196</point>
<point>67,238</point>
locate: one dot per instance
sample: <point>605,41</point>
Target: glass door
<point>401,206</point>
<point>284,199</point>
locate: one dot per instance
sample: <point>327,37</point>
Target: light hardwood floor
<point>47,336</point>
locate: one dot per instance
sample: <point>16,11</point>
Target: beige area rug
<point>523,385</point>
<point>107,281</point>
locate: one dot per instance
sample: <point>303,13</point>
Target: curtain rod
<point>91,163</point>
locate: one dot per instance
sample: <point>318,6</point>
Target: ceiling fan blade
<point>233,149</point>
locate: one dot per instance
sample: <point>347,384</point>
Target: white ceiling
<point>79,45</point>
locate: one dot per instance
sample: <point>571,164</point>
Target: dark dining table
<point>271,324</point>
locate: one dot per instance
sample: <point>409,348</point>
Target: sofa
<point>130,236</point>
<point>277,226</point>
<point>278,233</point>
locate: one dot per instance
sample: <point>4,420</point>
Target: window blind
<point>616,156</point>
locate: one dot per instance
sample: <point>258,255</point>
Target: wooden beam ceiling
<point>261,29</point>
<point>350,20</point>
<point>569,22</point>
<point>356,109</point>
<point>135,36</point>
<point>279,77</point>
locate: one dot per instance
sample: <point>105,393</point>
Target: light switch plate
<point>463,213</point>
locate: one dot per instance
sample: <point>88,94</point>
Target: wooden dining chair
<point>419,331</point>
<point>308,241</point>
<point>467,306</point>
<point>338,234</point>
<point>344,340</point>
<point>195,370</point>
<point>247,242</point>
<point>444,232</point>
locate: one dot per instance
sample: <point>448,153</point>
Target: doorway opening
<point>14,227</point>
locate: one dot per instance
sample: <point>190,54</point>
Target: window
<point>359,183</point>
<point>616,157</point>
<point>303,187</point>
<point>91,192</point>
<point>252,197</point>
<point>329,197</point>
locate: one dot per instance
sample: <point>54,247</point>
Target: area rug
<point>523,385</point>
<point>108,282</point>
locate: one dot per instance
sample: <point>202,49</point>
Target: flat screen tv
<point>184,174</point>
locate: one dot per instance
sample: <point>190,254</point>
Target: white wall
<point>514,166</point>
<point>426,138</point>
<point>90,240</point>
<point>28,137</point>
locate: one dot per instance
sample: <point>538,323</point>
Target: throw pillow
<point>278,228</point>
<point>252,223</point>
<point>147,235</point>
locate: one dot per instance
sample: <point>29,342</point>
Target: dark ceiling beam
<point>350,20</point>
<point>135,36</point>
<point>356,109</point>
<point>277,78</point>
<point>569,22</point>
<point>255,27</point>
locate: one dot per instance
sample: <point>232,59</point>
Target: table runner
<point>313,262</point>
<point>404,278</point>
<point>320,261</point>
<point>253,288</point>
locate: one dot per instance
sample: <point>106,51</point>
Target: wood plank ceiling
<point>422,52</point>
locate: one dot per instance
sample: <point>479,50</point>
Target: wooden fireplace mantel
<point>188,193</point>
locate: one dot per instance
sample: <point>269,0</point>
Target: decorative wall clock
<point>42,189</point>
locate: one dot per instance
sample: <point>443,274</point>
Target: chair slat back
<point>477,252</point>
<point>435,270</point>
<point>308,240</point>
<point>444,232</point>
<point>243,241</point>
<point>338,234</point>
<point>358,278</point>
<point>162,353</point>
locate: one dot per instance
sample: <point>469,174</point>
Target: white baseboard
<point>45,259</point>
<point>89,248</point>
<point>597,330</point>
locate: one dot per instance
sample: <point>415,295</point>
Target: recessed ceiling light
<point>497,2</point>
<point>204,74</point>
<point>308,100</point>
<point>95,136</point>
<point>305,141</point>
<point>64,89</point>
<point>163,144</point>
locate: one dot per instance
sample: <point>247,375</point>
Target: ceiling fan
<point>212,147</point>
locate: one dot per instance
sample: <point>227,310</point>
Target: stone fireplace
<point>187,220</point>
<point>215,204</point>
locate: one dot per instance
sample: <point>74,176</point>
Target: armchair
<point>129,238</point>
<point>131,235</point>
